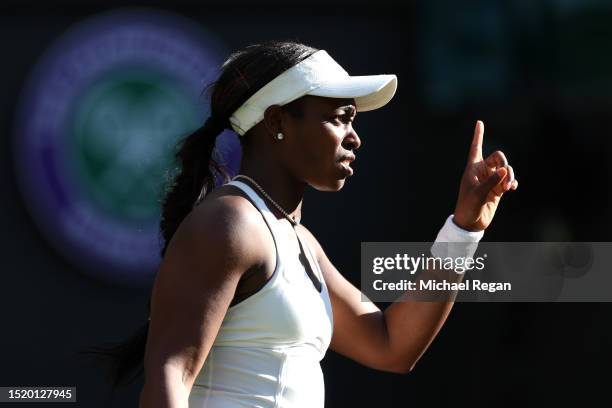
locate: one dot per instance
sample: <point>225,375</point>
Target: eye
<point>345,118</point>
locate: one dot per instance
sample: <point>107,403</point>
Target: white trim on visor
<point>316,75</point>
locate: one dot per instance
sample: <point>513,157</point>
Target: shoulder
<point>221,230</point>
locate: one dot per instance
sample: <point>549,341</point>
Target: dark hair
<point>243,74</point>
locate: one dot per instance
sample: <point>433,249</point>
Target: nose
<point>351,141</point>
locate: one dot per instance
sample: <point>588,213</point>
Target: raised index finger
<point>476,147</point>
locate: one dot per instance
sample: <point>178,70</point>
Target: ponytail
<point>123,362</point>
<point>199,171</point>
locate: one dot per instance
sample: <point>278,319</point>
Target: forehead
<point>324,104</point>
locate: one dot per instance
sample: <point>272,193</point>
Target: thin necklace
<point>261,190</point>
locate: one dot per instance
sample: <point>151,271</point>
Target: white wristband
<point>451,233</point>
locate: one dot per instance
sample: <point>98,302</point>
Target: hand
<point>483,183</point>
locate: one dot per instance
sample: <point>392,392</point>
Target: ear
<point>273,118</point>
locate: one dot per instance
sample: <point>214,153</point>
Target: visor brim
<point>369,91</point>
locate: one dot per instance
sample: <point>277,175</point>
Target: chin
<point>329,185</point>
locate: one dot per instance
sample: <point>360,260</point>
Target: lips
<point>345,162</point>
<point>347,159</point>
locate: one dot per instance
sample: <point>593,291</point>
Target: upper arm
<point>360,331</point>
<point>195,284</point>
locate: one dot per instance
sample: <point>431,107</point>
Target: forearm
<point>164,390</point>
<point>414,320</point>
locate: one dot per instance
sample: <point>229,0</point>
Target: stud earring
<point>279,136</point>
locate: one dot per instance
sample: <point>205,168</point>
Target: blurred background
<point>94,96</point>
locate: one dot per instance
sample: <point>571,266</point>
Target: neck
<point>284,189</point>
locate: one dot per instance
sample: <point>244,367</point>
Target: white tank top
<point>269,346</point>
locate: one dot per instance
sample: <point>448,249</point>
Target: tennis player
<point>246,303</point>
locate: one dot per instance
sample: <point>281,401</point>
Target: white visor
<point>317,75</point>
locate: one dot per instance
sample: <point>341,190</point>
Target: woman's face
<point>320,144</point>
